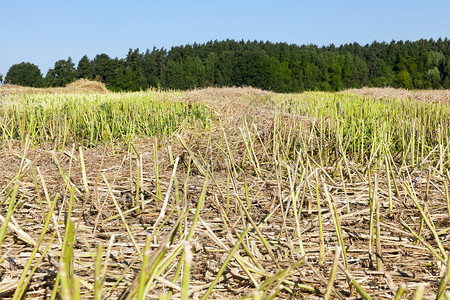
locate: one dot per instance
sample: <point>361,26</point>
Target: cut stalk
<point>337,254</point>
<point>226,262</point>
<point>130,235</point>
<point>358,287</point>
<point>444,281</point>
<point>336,223</point>
<point>418,294</point>
<point>9,212</point>
<point>401,290</point>
<point>186,271</point>
<point>98,285</point>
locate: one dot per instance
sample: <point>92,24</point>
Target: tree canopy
<point>26,74</point>
<point>279,67</point>
<point>62,74</point>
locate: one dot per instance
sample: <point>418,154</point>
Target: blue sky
<point>42,32</point>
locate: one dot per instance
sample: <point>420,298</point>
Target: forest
<point>279,67</point>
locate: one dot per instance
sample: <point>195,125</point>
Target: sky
<point>42,32</point>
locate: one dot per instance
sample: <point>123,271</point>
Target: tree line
<point>279,67</point>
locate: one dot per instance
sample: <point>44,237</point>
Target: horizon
<point>46,31</point>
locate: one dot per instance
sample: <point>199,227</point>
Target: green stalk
<point>36,185</point>
<point>239,258</point>
<point>337,254</point>
<point>225,264</point>
<point>151,269</point>
<point>418,294</point>
<point>156,163</point>
<point>358,287</point>
<point>378,249</point>
<point>279,278</point>
<point>191,230</point>
<point>67,255</point>
<point>199,166</point>
<point>98,285</point>
<point>130,235</point>
<point>419,238</point>
<point>319,215</point>
<point>447,198</point>
<point>143,277</point>
<point>425,218</point>
<point>388,179</point>
<point>166,199</point>
<point>138,181</point>
<point>76,289</point>
<point>444,281</point>
<point>294,196</point>
<point>266,245</point>
<point>47,197</point>
<point>19,291</point>
<point>83,171</point>
<point>186,271</point>
<point>400,292</point>
<point>9,212</point>
<point>336,223</point>
<point>425,208</point>
<point>343,186</point>
<point>66,293</point>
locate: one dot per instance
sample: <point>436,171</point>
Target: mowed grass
<point>223,193</point>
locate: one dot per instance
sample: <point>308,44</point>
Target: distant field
<point>435,96</point>
<point>79,86</point>
<point>224,194</point>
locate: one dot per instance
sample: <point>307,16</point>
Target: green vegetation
<point>94,119</point>
<point>25,74</point>
<point>279,67</point>
<point>63,73</point>
<point>224,193</point>
<point>354,124</point>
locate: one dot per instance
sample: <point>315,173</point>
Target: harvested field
<point>435,96</point>
<point>234,193</point>
<point>80,86</point>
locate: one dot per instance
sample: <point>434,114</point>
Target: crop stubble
<point>256,161</point>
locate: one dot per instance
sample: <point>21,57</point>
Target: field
<point>223,194</point>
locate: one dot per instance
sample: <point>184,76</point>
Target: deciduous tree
<point>25,74</point>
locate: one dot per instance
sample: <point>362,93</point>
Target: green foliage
<point>62,74</point>
<point>381,74</point>
<point>25,74</point>
<point>104,69</point>
<point>404,79</point>
<point>433,78</point>
<point>278,67</point>
<point>281,67</point>
<point>84,68</point>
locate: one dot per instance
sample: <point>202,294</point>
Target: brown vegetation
<point>80,86</point>
<point>435,96</point>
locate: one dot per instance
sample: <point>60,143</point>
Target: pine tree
<point>84,68</point>
<point>62,74</point>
